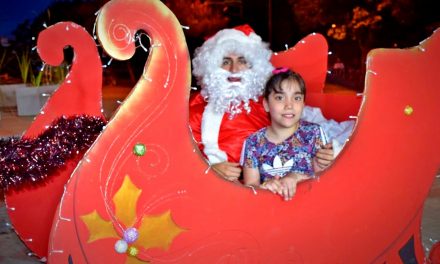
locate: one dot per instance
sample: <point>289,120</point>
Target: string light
<point>156,45</point>
<point>109,62</point>
<point>372,72</point>
<point>253,189</point>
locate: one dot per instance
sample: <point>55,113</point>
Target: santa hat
<point>240,40</point>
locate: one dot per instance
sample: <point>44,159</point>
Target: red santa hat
<point>240,40</point>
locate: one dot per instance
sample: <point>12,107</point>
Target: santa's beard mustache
<point>232,97</point>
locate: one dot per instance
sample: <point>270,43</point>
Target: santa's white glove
<point>215,155</point>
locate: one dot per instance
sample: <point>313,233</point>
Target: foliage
<point>54,74</point>
<point>46,74</point>
<point>2,59</point>
<point>361,21</point>
<point>202,18</point>
<point>24,63</point>
<point>309,14</point>
<point>36,79</point>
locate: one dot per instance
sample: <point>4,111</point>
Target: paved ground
<point>13,251</point>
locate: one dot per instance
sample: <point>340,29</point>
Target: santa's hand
<point>229,170</point>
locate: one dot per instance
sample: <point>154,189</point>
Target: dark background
<point>352,28</point>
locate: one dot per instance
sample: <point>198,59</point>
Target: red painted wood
<point>31,209</point>
<point>363,209</point>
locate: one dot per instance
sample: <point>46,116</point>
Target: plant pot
<point>30,100</point>
<point>7,91</point>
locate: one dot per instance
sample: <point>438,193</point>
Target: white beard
<point>232,97</point>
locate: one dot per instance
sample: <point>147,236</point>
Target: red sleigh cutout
<point>145,172</point>
<point>309,58</point>
<point>31,209</point>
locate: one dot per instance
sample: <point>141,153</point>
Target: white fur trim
<point>211,121</point>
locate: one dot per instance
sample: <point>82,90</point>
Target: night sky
<point>14,12</point>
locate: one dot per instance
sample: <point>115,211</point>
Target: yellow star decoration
<point>125,200</point>
<point>155,231</point>
<point>98,227</point>
<point>161,231</point>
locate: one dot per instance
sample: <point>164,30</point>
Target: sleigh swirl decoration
<point>59,135</point>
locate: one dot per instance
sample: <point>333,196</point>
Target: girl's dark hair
<point>281,74</point>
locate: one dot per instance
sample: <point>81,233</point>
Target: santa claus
<point>231,68</point>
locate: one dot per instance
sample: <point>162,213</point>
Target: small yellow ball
<point>132,251</point>
<point>408,110</point>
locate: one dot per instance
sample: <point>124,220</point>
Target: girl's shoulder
<point>257,134</point>
<point>306,125</point>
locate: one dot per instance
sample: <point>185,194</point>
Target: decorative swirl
<point>79,94</point>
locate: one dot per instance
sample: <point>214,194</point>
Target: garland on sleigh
<point>33,160</point>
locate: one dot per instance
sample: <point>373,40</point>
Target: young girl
<point>279,156</point>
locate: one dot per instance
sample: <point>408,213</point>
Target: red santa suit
<point>233,132</point>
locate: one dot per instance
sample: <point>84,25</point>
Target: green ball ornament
<point>139,149</point>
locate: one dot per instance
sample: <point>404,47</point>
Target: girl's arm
<point>251,177</point>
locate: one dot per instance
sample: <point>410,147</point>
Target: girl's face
<point>285,108</point>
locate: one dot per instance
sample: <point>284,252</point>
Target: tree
<point>200,16</point>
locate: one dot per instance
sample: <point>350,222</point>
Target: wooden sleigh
<point>144,176</point>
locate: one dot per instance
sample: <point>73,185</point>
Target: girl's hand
<point>289,183</point>
<point>274,185</point>
<point>324,157</point>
